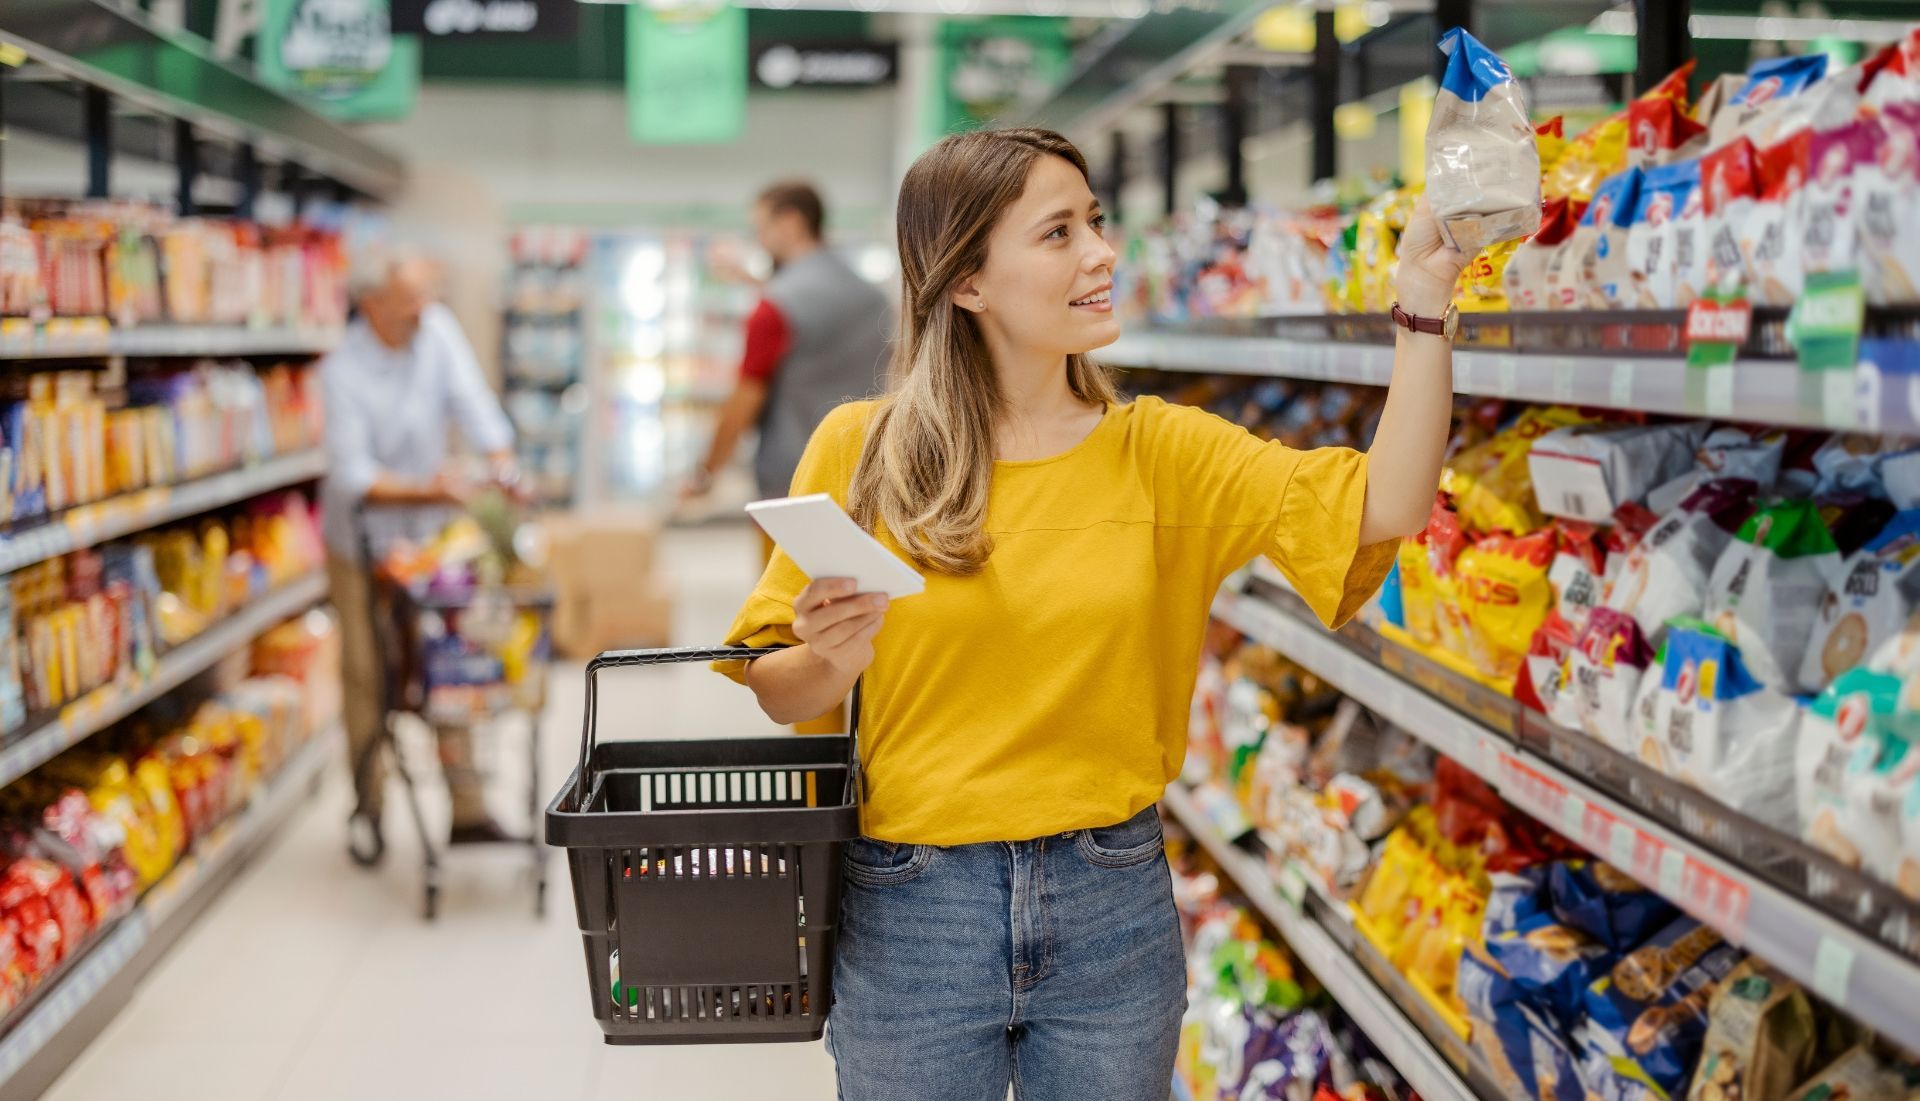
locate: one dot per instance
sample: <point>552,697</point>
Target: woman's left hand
<point>1429,267</point>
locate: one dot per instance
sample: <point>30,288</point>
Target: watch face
<point>1452,324</point>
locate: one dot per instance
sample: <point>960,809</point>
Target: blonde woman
<point>1008,918</point>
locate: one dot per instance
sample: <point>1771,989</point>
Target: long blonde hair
<point>927,465</point>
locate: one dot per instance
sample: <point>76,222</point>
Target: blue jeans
<point>1054,966</point>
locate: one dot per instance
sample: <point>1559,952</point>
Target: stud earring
<point>981,306</point>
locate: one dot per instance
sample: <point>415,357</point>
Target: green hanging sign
<point>990,66</point>
<point>341,55</point>
<point>686,75</point>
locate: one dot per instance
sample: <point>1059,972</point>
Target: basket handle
<point>610,659</point>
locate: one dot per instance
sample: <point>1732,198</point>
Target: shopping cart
<point>429,641</point>
<point>706,874</point>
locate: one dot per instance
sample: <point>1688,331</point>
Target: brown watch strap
<point>1413,323</point>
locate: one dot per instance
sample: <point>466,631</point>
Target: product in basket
<point>1763,1038</point>
<point>1721,730</point>
<point>1483,166</point>
<point>1766,591</point>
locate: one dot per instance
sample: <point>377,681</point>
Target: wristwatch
<point>1445,325</point>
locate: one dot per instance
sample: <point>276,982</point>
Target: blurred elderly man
<point>402,377</point>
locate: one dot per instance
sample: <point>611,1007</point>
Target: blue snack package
<point>1780,76</point>
<point>1649,1013</point>
<point>1615,199</point>
<point>1551,965</point>
<point>1514,899</point>
<point>1393,605</point>
<point>1607,904</point>
<point>1523,1051</point>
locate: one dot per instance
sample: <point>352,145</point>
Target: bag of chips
<point>1690,241</point>
<point>1721,730</point>
<point>1767,83</point>
<point>1483,167</point>
<point>1604,671</point>
<point>1490,483</point>
<point>1831,215</point>
<point>1527,280</point>
<point>1598,152</point>
<point>1762,1037</point>
<point>1717,97</point>
<point>1606,903</point>
<point>1550,964</point>
<point>1506,596</point>
<point>1887,186</point>
<point>1765,592</point>
<point>1859,1075</point>
<point>1650,1010</point>
<point>1731,184</point>
<point>1770,240</point>
<point>1587,471</point>
<point>1483,285</point>
<point>1550,138</point>
<point>1874,790</point>
<point>1666,575</point>
<point>1841,723</point>
<point>1653,261</point>
<point>1662,133</point>
<point>1878,589</point>
<point>1600,244</point>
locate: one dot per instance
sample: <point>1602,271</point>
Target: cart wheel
<point>432,907</point>
<point>365,843</point>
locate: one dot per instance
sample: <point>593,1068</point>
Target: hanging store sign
<point>487,18</point>
<point>988,67</point>
<point>686,74</point>
<point>781,65</point>
<point>342,55</point>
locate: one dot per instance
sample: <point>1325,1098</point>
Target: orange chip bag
<point>1491,484</point>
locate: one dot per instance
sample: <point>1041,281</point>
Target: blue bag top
<point>1675,181</point>
<point>1780,76</point>
<point>1472,69</point>
<point>1615,199</point>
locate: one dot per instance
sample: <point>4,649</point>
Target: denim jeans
<point>1054,966</point>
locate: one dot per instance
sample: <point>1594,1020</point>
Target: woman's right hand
<point>839,624</point>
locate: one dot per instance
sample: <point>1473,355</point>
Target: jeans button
<point>1068,836</point>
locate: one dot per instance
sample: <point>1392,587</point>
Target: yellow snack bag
<point>1417,593</point>
<point>1375,251</point>
<point>1483,286</point>
<point>1506,596</point>
<point>1491,484</point>
<point>1593,156</point>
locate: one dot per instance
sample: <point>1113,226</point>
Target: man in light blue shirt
<point>401,378</point>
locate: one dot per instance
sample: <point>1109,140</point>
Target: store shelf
<point>70,1012</point>
<point>82,341</point>
<point>1370,1006</point>
<point>104,706</point>
<point>1770,391</point>
<point>1841,963</point>
<point>90,525</point>
<point>120,48</point>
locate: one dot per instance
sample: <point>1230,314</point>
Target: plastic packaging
<point>1483,164</point>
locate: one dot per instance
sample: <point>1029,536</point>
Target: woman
<point>1008,917</point>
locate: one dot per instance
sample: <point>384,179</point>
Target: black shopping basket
<point>706,874</point>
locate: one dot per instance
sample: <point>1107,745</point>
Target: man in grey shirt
<point>402,376</point>
<point>818,338</point>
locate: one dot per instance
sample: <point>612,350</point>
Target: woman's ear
<point>968,297</point>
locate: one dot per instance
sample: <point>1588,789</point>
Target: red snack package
<point>1730,184</point>
<point>1659,132</point>
<point>1526,277</point>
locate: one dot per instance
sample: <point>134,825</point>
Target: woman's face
<point>1048,279</point>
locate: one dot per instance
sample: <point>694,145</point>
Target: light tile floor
<point>309,980</point>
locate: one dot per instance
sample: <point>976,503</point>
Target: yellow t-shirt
<point>1050,691</point>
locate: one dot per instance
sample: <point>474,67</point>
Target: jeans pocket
<point>884,863</point>
<point>1135,841</point>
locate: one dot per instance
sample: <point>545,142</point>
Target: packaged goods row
<point>1793,168</point>
<point>67,442</point>
<point>135,264</point>
<point>70,625</point>
<point>1731,606</point>
<point>1567,978</point>
<point>85,835</point>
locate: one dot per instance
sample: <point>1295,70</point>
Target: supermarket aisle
<point>312,981</point>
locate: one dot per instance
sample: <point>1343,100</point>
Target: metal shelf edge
<point>152,918</point>
<point>1840,964</point>
<point>1410,1052</point>
<point>193,340</point>
<point>110,703</point>
<point>1762,391</point>
<point>58,537</point>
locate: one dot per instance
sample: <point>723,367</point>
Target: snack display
<point>134,263</point>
